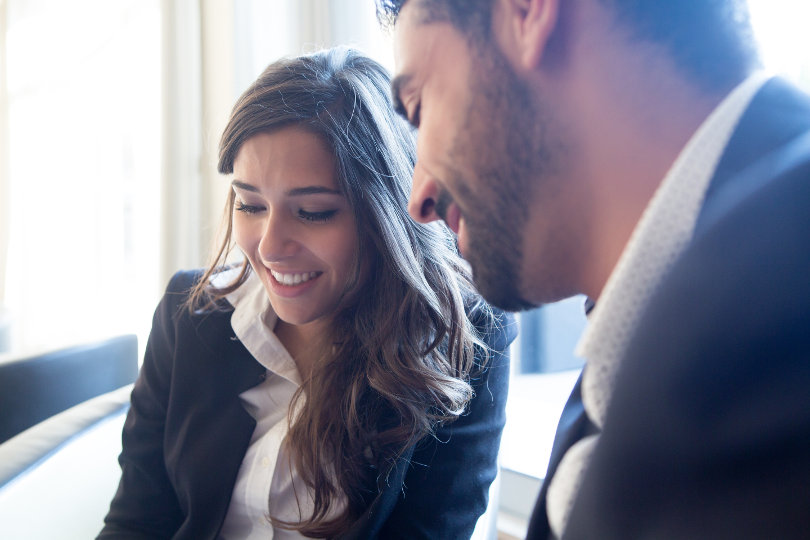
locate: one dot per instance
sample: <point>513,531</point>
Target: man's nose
<point>424,194</point>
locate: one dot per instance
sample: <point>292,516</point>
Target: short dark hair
<point>466,15</point>
<point>710,40</point>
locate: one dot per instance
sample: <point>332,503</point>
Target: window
<point>266,31</point>
<point>780,27</point>
<point>83,173</point>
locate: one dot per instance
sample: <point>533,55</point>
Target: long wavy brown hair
<point>402,347</point>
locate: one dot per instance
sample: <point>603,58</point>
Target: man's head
<point>521,105</point>
<point>710,40</point>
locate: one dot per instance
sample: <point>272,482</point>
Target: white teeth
<point>293,279</point>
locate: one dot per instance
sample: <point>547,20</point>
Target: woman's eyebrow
<point>242,185</point>
<point>307,190</point>
<point>313,190</point>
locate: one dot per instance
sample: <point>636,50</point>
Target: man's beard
<point>502,135</point>
<point>493,260</point>
<point>494,240</point>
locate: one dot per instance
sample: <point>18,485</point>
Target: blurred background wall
<point>110,116</point>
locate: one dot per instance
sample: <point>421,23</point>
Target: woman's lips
<point>291,284</point>
<point>293,278</point>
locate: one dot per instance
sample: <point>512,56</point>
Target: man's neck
<point>629,141</point>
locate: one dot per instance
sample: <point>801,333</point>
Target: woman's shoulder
<point>178,302</point>
<point>187,322</point>
<point>497,328</point>
<point>184,290</point>
<point>180,288</point>
<point>183,281</point>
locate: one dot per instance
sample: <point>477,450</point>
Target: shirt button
<point>265,462</point>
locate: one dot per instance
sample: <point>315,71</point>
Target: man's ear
<point>529,25</point>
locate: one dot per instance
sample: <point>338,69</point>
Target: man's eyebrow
<point>396,87</point>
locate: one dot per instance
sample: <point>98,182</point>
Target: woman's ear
<point>527,25</point>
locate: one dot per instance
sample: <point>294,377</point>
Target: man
<point>631,151</point>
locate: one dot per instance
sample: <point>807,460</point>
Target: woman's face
<point>293,223</point>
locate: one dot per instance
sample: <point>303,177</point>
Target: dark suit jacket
<point>187,432</point>
<point>708,432</point>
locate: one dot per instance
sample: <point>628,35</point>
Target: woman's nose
<point>278,240</point>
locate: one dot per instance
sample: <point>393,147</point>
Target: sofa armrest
<point>37,386</point>
<point>25,450</point>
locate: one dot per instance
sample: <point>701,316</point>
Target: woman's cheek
<point>243,234</point>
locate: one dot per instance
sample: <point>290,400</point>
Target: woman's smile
<point>294,278</point>
<point>290,284</point>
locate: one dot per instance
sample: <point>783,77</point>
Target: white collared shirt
<point>661,235</point>
<point>267,484</point>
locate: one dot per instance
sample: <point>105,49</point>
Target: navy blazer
<point>708,432</point>
<point>187,432</point>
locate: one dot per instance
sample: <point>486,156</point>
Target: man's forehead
<point>408,22</point>
<point>414,16</point>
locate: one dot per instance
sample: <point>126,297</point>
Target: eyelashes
<point>317,217</point>
<point>247,208</point>
<point>312,217</point>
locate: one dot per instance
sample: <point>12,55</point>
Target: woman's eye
<point>247,208</point>
<point>317,216</point>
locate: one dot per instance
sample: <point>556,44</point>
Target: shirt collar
<point>253,321</point>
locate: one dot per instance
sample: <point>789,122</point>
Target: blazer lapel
<point>217,429</point>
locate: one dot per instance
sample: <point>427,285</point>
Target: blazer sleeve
<point>446,487</point>
<point>145,505</point>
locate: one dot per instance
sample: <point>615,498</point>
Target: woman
<point>344,380</point>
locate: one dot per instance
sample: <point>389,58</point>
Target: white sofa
<point>57,478</point>
<point>61,414</point>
